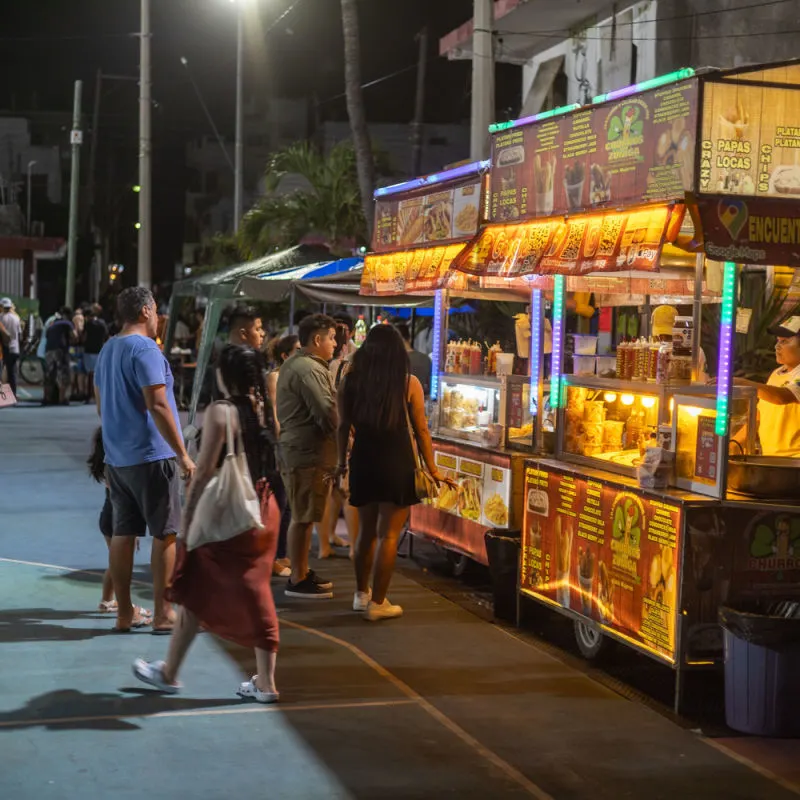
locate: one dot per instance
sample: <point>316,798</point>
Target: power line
<point>46,37</point>
<point>619,24</point>
<point>372,83</point>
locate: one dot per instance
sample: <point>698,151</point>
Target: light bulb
<point>627,399</point>
<point>610,397</point>
<point>648,402</point>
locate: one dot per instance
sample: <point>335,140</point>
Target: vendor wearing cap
<point>779,398</point>
<point>662,321</point>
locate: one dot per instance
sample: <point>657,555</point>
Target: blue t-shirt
<point>127,364</point>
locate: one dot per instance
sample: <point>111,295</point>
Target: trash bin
<point>762,664</point>
<point>502,549</point>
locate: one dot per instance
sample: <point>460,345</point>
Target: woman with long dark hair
<point>384,405</point>
<point>224,586</point>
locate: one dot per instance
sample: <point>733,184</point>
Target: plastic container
<point>584,345</point>
<point>762,661</point>
<point>505,364</point>
<point>607,366</point>
<point>584,365</point>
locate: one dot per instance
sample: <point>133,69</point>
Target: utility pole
<point>90,180</point>
<point>144,270</point>
<point>76,138</point>
<point>238,190</point>
<point>482,79</point>
<point>28,229</point>
<point>419,107</point>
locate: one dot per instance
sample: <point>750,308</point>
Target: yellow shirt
<point>779,425</point>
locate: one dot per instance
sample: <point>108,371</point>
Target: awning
<point>419,270</point>
<point>272,287</point>
<point>608,241</point>
<point>345,289</point>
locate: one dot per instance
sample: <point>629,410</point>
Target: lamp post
<point>238,190</point>
<point>28,199</point>
<point>144,269</point>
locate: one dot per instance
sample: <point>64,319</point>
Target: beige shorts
<point>307,491</point>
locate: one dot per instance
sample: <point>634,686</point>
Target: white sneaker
<point>152,673</point>
<point>361,600</point>
<point>384,610</point>
<point>250,691</point>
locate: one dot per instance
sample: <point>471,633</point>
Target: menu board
<point>483,492</point>
<point>417,270</point>
<point>705,461</point>
<point>639,149</point>
<point>428,216</point>
<point>609,554</point>
<point>582,244</point>
<point>750,141</point>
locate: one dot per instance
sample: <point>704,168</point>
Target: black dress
<point>382,467</point>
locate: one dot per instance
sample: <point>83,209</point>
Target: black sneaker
<point>307,590</point>
<point>321,582</point>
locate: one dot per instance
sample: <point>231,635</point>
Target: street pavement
<point>439,703</point>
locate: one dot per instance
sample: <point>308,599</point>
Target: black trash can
<point>762,665</point>
<point>502,549</point>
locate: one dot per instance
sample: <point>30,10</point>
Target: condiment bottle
<point>456,358</point>
<point>652,361</point>
<point>621,347</point>
<point>630,360</point>
<point>662,366</point>
<point>475,359</point>
<point>449,361</point>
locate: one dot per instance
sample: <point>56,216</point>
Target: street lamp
<point>28,198</point>
<point>238,192</point>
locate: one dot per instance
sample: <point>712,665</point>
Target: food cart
<point>594,199</point>
<point>481,419</point>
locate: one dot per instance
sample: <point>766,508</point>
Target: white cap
<point>789,327</point>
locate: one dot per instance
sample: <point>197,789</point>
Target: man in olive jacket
<point>306,406</point>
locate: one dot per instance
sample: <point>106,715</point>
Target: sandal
<point>249,690</point>
<point>152,673</point>
<point>107,606</point>
<point>142,617</point>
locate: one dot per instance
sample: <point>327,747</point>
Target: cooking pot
<point>765,476</point>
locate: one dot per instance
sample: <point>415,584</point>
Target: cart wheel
<point>31,370</point>
<point>591,642</point>
<point>461,565</point>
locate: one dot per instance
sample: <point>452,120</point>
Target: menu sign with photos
<point>607,553</point>
<point>422,269</point>
<point>639,149</point>
<point>750,141</point>
<point>482,493</point>
<point>607,241</point>
<point>433,215</point>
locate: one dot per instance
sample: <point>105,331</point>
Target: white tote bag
<point>229,504</point>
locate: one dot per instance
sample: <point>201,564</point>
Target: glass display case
<point>487,410</point>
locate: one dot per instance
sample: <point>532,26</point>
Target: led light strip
<point>516,123</point>
<point>556,397</point>
<point>725,348</point>
<point>428,180</point>
<point>653,83</point>
<point>536,349</point>
<point>438,308</point>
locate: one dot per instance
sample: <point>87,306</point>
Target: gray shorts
<point>145,496</point>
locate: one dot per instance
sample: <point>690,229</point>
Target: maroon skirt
<point>226,585</point>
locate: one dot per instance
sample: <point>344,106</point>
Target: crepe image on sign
<point>785,180</point>
<point>592,237</point>
<point>538,502</point>
<point>469,498</point>
<point>467,219</point>
<point>438,221</point>
<point>559,238</point>
<point>496,511</point>
<point>410,224</point>
<point>511,156</point>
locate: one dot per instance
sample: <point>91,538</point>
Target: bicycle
<point>31,367</point>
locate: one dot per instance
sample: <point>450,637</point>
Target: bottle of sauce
<point>652,361</point>
<point>662,365</point>
<point>475,359</point>
<point>621,347</point>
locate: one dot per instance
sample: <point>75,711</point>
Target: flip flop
<point>162,630</point>
<point>107,606</point>
<point>141,619</point>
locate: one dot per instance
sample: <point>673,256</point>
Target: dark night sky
<point>47,44</point>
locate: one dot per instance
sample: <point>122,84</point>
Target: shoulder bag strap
<point>229,429</point>
<point>413,436</point>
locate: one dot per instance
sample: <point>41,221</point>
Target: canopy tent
<point>220,288</point>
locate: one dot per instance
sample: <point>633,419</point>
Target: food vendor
<point>779,398</point>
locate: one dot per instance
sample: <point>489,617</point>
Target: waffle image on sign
<point>609,235</point>
<point>574,240</point>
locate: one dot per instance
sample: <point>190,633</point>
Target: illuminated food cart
<point>481,421</point>
<point>593,199</point>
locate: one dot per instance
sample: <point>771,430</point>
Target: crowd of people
<point>329,427</point>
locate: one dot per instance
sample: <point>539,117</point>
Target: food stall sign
<point>434,210</point>
<point>582,244</point>
<point>518,123</point>
<point>635,147</point>
<point>608,553</point>
<point>725,347</point>
<point>419,270</point>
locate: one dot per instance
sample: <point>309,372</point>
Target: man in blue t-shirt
<point>133,387</point>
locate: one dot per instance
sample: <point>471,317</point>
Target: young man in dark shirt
<point>420,363</point>
<point>58,368</point>
<point>95,336</point>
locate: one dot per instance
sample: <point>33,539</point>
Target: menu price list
<point>606,553</point>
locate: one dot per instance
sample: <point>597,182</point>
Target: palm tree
<point>327,206</point>
<point>355,108</point>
